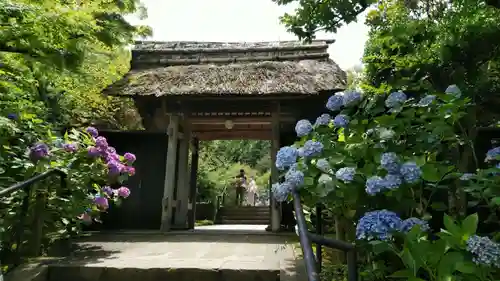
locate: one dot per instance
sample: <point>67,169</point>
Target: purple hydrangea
<point>93,151</point>
<point>69,147</point>
<point>346,174</point>
<point>390,162</point>
<point>312,148</point>
<point>129,157</point>
<point>409,223</point>
<point>129,170</point>
<point>114,168</point>
<point>101,202</point>
<point>92,131</point>
<point>101,142</point>
<point>485,251</point>
<point>341,121</point>
<point>107,190</point>
<point>286,157</point>
<point>335,102</point>
<point>323,120</point>
<point>39,151</point>
<point>396,99</point>
<point>303,128</point>
<point>411,172</point>
<point>123,192</point>
<point>378,225</point>
<point>426,101</point>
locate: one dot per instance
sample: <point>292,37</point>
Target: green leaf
<point>401,274</point>
<point>451,227</point>
<point>448,263</point>
<point>430,173</point>
<point>469,225</point>
<point>496,200</point>
<point>466,267</point>
<point>379,247</point>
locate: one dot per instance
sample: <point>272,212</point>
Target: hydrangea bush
<point>376,162</point>
<point>94,183</point>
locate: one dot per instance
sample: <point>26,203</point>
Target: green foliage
<point>221,161</point>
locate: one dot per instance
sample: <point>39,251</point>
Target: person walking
<point>251,192</point>
<point>240,187</point>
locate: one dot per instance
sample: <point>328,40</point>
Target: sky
<point>242,20</point>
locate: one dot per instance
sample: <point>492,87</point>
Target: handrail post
<point>352,265</point>
<point>305,243</point>
<point>319,231</point>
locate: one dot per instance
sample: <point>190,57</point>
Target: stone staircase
<point>244,215</point>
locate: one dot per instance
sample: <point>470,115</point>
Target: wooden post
<point>275,142</point>
<point>192,183</point>
<point>183,178</point>
<point>168,191</point>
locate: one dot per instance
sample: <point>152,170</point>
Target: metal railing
<point>25,205</point>
<point>312,263</point>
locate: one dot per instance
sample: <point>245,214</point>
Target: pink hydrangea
<point>130,170</point>
<point>123,192</point>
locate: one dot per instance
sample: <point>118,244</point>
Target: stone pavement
<point>207,254</point>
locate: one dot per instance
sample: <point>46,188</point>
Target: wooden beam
<point>192,183</point>
<point>169,186</point>
<point>233,136</point>
<point>275,143</point>
<point>256,120</point>
<point>183,178</point>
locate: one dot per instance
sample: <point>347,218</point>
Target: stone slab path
<point>207,254</point>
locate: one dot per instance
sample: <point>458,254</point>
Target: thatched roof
<point>180,68</point>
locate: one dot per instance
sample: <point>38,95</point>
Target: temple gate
<point>198,91</point>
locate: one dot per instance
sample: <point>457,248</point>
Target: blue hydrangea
<point>295,178</point>
<point>335,102</point>
<point>341,121</point>
<point>323,119</point>
<point>351,98</point>
<point>374,185</point>
<point>286,157</point>
<point>312,148</point>
<point>453,90</point>
<point>426,101</point>
<point>386,134</point>
<point>303,128</point>
<point>323,165</point>
<point>485,251</point>
<point>346,174</point>
<point>378,225</point>
<point>392,181</point>
<point>411,172</point>
<point>492,154</point>
<point>300,151</point>
<point>396,99</point>
<point>466,176</point>
<point>390,162</point>
<point>325,179</point>
<point>409,223</point>
<point>281,191</point>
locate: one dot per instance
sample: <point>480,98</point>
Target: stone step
<point>245,221</point>
<point>98,273</point>
<point>245,216</point>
